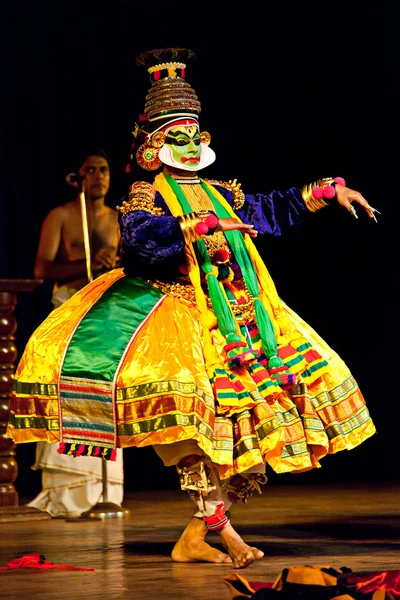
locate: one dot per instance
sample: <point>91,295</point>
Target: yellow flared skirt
<point>160,392</point>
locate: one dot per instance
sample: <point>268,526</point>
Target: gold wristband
<point>187,224</point>
<point>314,204</point>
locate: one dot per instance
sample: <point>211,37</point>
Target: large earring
<point>205,138</point>
<point>147,157</point>
<point>147,153</point>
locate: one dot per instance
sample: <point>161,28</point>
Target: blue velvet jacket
<point>153,246</point>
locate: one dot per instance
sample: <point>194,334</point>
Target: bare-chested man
<point>70,487</point>
<point>61,253</point>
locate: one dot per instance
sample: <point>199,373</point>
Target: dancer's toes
<point>224,558</point>
<point>246,555</point>
<point>242,555</point>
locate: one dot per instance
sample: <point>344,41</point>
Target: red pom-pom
<point>201,228</point>
<point>183,269</point>
<point>329,192</point>
<point>211,221</point>
<point>339,180</point>
<point>221,256</point>
<point>317,193</point>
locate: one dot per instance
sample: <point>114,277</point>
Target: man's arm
<point>46,266</point>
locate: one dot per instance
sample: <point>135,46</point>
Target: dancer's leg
<point>200,479</point>
<point>191,546</point>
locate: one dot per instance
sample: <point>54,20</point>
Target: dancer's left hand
<point>346,196</point>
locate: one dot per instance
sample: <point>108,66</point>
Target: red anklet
<point>218,520</point>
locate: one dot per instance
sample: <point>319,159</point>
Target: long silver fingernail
<point>374,218</point>
<point>353,212</point>
<point>375,210</point>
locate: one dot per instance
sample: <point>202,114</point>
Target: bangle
<point>188,224</point>
<point>315,194</point>
<point>194,225</point>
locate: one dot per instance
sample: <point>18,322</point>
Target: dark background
<point>290,92</point>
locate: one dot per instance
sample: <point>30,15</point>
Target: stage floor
<point>357,526</point>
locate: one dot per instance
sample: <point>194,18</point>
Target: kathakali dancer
<point>189,347</point>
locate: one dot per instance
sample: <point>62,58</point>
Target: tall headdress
<point>170,95</point>
<point>170,102</point>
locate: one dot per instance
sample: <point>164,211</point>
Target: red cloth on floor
<point>389,581</point>
<point>38,561</point>
<point>300,582</point>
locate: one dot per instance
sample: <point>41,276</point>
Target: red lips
<point>193,159</point>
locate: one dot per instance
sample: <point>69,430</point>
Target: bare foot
<point>242,555</point>
<point>191,546</point>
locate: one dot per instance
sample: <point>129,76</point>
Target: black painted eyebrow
<point>173,136</point>
<point>176,133</point>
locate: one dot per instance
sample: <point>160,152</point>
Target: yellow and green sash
<point>91,364</point>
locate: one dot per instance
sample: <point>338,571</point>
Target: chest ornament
<point>141,197</point>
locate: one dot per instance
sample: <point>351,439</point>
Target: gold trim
<point>183,292</point>
<point>169,65</point>
<point>187,224</point>
<point>244,313</point>
<point>238,197</point>
<point>141,197</point>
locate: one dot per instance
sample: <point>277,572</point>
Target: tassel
<point>75,450</point>
<point>71,451</point>
<point>224,391</point>
<point>280,373</point>
<point>283,377</point>
<point>237,357</point>
<point>81,450</point>
<point>61,448</point>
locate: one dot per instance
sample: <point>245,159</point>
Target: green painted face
<point>184,143</point>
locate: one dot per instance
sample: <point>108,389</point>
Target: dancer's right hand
<point>230,224</point>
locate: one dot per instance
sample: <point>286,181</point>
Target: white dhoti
<point>70,486</point>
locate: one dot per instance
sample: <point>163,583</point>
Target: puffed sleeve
<point>151,238</point>
<point>272,213</point>
<point>150,235</point>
